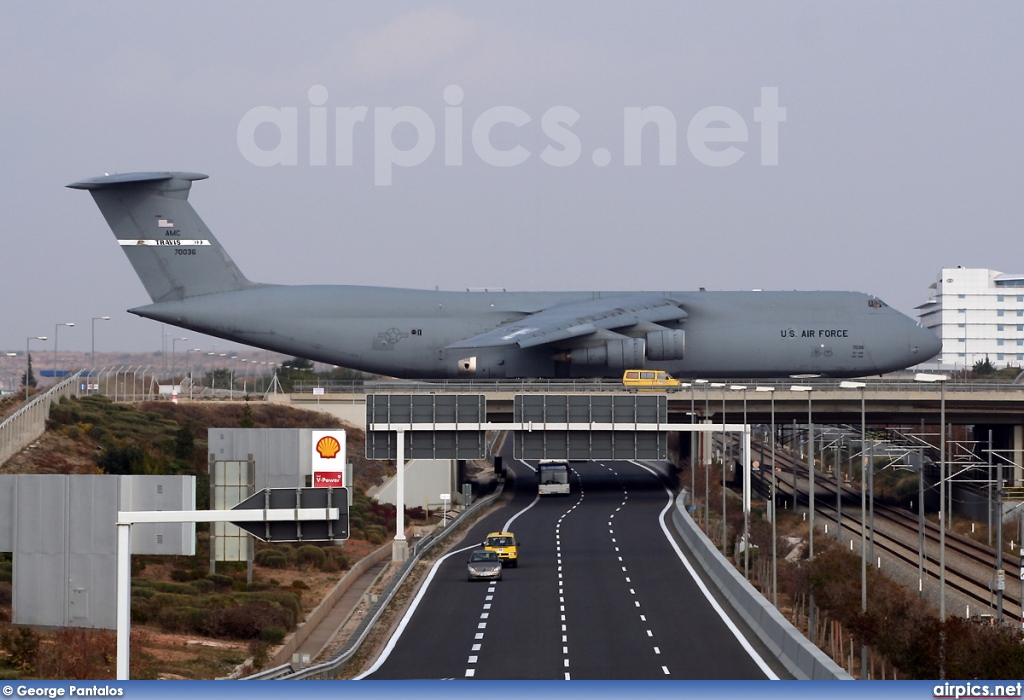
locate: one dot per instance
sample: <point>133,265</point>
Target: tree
<point>30,379</point>
<point>984,367</point>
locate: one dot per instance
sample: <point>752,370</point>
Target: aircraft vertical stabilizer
<point>171,249</point>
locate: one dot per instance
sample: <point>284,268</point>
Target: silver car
<point>484,564</point>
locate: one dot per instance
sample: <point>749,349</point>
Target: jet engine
<point>666,345</point>
<point>617,353</point>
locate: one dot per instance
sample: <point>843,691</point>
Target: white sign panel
<point>328,458</point>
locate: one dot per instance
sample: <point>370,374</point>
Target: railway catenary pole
<point>774,503</point>
<point>725,526</point>
<point>863,514</point>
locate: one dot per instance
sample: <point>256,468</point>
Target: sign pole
<point>400,548</point>
<point>124,597</point>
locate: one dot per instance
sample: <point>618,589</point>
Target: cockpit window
<point>876,303</point>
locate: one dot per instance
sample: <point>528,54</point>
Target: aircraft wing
<point>577,319</point>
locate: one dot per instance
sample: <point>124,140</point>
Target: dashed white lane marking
<point>632,591</point>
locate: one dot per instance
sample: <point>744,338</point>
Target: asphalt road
<point>600,593</point>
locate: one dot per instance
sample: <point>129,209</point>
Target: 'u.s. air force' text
<point>815,333</point>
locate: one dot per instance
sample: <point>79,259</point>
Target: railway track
<point>970,565</point>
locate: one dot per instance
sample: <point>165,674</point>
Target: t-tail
<point>171,249</point>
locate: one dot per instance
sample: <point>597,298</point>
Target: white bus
<point>553,477</point>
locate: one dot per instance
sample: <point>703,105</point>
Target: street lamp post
<point>810,503</point>
<point>941,379</point>
<point>704,461</point>
<point>188,370</point>
<point>28,360</point>
<point>725,527</point>
<point>174,343</point>
<point>746,487</point>
<point>775,560</point>
<point>92,347</point>
<point>863,515</point>
<point>56,327</point>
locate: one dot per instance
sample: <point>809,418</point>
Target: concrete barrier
<point>284,654</point>
<point>800,657</point>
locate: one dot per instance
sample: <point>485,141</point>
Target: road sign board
<point>295,530</point>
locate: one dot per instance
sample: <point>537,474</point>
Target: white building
<point>978,313</point>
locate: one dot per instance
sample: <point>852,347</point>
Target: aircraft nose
<point>924,345</point>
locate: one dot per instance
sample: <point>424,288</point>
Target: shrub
<point>244,621</point>
<point>271,559</point>
<point>272,634</point>
<point>220,581</point>
<point>182,619</point>
<point>202,585</point>
<point>21,645</point>
<point>310,556</point>
<point>300,584</point>
<point>181,575</point>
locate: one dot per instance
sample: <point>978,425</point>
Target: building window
<point>999,356</point>
<point>1020,312</point>
<point>1020,298</point>
<point>999,342</point>
<point>961,340</point>
<point>1020,342</point>
<point>999,297</point>
<point>1020,327</point>
<point>961,296</point>
<point>961,325</point>
<point>999,327</point>
<point>999,312</point>
<point>1020,356</point>
<point>962,354</point>
<point>963,311</point>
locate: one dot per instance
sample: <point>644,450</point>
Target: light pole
<point>704,461</point>
<point>174,343</point>
<point>941,379</point>
<point>746,487</point>
<point>28,360</point>
<point>56,327</point>
<point>775,569</point>
<point>810,502</point>
<point>188,369</point>
<point>725,531</point>
<point>92,347</point>
<point>863,515</point>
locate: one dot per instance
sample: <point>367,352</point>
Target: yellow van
<point>649,380</point>
<point>504,543</point>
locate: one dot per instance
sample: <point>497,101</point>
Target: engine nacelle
<point>617,353</point>
<point>666,345</point>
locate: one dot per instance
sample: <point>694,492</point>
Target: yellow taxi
<point>649,380</point>
<point>505,545</point>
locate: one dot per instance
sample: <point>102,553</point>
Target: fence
<point>18,431</point>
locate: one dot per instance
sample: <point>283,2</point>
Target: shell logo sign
<point>328,458</point>
<point>328,447</point>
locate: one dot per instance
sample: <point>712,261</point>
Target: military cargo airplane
<point>423,334</point>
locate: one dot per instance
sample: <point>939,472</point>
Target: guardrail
<point>511,386</point>
<point>800,657</point>
<point>331,668</point>
<point>19,430</point>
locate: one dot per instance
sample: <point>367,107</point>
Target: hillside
<point>93,435</point>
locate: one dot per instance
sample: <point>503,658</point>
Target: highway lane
<point>600,593</point>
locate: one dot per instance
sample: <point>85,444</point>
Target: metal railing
<point>26,425</point>
<point>516,386</point>
<point>332,667</point>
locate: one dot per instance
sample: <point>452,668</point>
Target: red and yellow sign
<point>328,458</point>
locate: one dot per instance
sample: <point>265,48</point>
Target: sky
<point>523,146</point>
